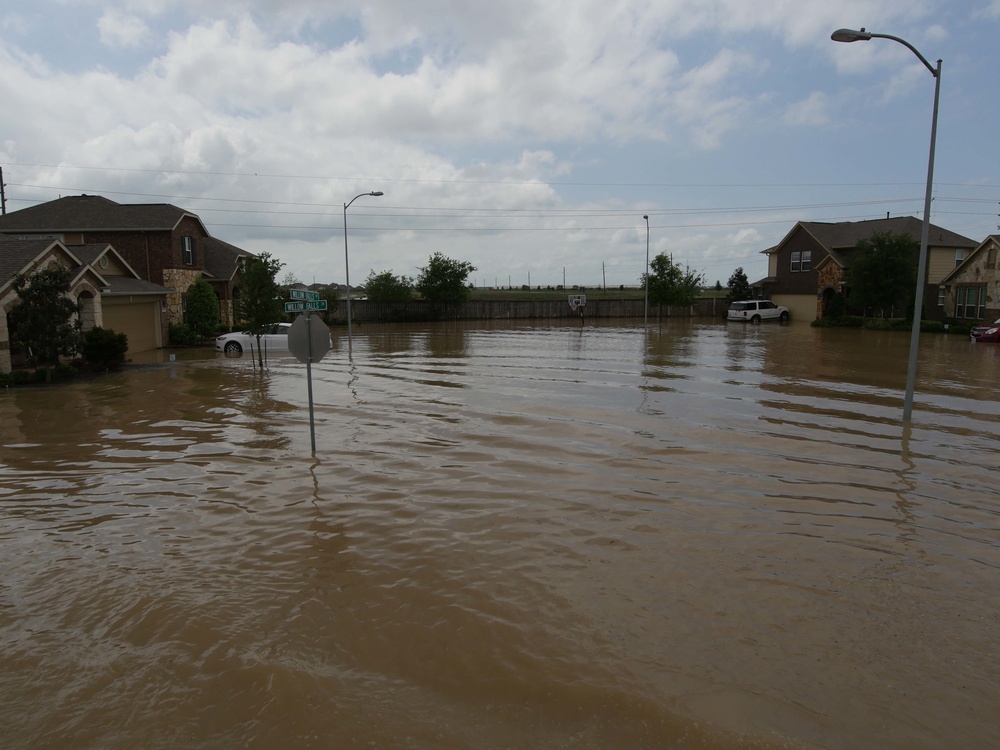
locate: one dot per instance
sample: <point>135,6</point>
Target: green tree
<point>260,301</point>
<point>332,301</point>
<point>442,280</point>
<point>44,321</point>
<point>202,312</point>
<point>669,284</point>
<point>739,287</point>
<point>385,287</point>
<point>882,274</point>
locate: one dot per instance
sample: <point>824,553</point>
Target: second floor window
<point>796,261</point>
<point>807,260</point>
<point>187,247</point>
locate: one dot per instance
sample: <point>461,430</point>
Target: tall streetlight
<point>645,318</point>
<point>849,35</point>
<point>347,265</point>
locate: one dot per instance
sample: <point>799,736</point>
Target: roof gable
<point>992,240</point>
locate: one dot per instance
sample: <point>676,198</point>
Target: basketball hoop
<point>576,301</point>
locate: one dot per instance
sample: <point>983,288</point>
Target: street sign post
<point>309,341</point>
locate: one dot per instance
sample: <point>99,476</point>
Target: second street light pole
<point>850,35</point>
<point>347,266</point>
<point>645,307</point>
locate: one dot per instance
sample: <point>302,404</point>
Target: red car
<point>987,333</point>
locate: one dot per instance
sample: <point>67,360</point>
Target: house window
<point>941,291</point>
<point>796,261</point>
<point>187,246</point>
<point>970,302</point>
<point>959,257</point>
<point>807,260</point>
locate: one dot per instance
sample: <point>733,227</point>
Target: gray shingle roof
<point>90,213</point>
<point>15,255</point>
<point>222,259</point>
<point>844,235</point>
<point>126,285</point>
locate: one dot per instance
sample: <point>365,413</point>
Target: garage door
<point>140,321</point>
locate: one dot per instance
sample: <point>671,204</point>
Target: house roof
<point>125,286</point>
<point>91,213</point>
<point>17,256</point>
<point>843,236</point>
<point>222,259</point>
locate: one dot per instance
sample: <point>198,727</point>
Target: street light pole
<point>849,35</point>
<point>645,308</point>
<point>347,265</point>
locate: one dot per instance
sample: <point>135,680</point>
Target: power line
<point>526,182</point>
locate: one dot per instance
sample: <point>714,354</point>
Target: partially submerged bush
<point>104,348</point>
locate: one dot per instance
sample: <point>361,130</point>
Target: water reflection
<point>510,536</point>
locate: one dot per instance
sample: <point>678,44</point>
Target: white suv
<point>756,310</point>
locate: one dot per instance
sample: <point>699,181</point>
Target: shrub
<point>181,335</point>
<point>104,348</point>
<point>847,321</point>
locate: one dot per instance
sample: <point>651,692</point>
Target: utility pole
<point>564,277</point>
<point>3,195</point>
<point>604,276</point>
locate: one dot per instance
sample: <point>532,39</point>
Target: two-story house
<point>806,269</point>
<point>164,244</point>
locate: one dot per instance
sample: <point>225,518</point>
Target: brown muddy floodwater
<point>700,536</point>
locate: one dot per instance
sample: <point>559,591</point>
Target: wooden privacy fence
<point>364,310</point>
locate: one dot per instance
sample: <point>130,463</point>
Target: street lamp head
<point>645,217</point>
<point>850,35</point>
<point>376,193</point>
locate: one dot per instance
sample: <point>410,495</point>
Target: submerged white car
<point>274,339</point>
<point>757,310</point>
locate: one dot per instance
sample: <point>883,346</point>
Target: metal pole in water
<point>309,381</point>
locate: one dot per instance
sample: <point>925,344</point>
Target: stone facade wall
<point>831,276</point>
<point>178,280</point>
<point>983,269</point>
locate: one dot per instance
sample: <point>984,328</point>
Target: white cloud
<point>122,31</point>
<point>295,106</point>
<point>813,110</point>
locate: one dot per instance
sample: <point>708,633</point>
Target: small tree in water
<point>260,302</point>
<point>443,280</point>
<point>385,287</point>
<point>669,284</point>
<point>44,322</point>
<point>739,287</point>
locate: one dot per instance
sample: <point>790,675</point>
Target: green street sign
<point>303,294</point>
<point>311,306</point>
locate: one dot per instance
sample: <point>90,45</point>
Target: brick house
<point>806,269</point>
<point>164,244</point>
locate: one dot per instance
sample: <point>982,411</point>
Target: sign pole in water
<point>309,381</point>
<point>309,343</point>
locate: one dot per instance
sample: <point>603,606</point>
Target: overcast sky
<point>526,137</point>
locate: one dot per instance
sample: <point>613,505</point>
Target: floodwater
<point>696,536</point>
